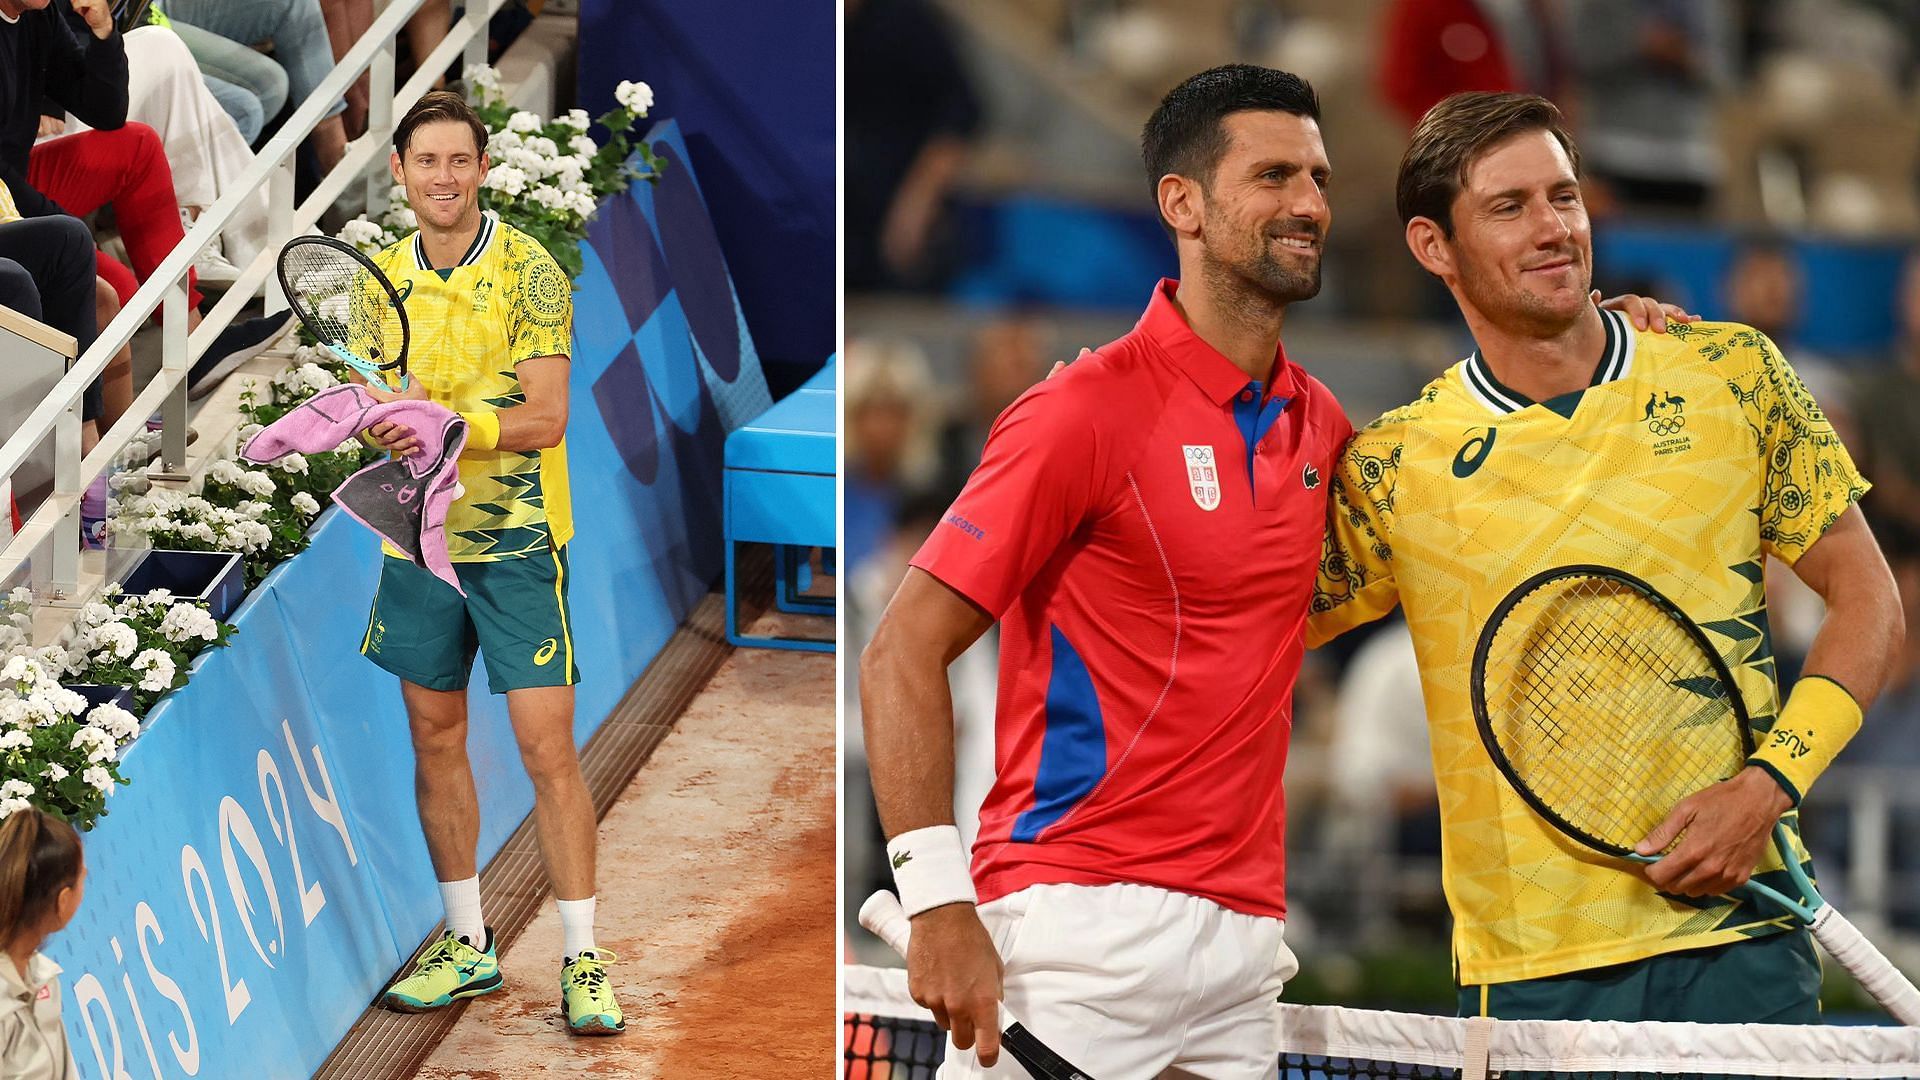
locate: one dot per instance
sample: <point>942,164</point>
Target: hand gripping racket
<point>348,305</point>
<point>1604,705</point>
<point>883,916</point>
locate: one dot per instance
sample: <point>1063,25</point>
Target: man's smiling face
<point>442,171</point>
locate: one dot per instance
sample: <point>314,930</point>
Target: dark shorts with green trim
<point>514,615</point>
<point>1774,979</point>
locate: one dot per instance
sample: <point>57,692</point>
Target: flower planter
<point>217,577</point>
<point>98,695</point>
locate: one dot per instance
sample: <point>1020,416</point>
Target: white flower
<point>499,142</point>
<point>9,806</point>
<point>21,594</point>
<point>15,739</point>
<point>363,234</point>
<point>542,146</point>
<point>187,621</point>
<point>635,97</point>
<point>525,161</point>
<point>55,772</point>
<point>14,712</point>
<point>583,145</point>
<point>159,670</point>
<point>63,701</point>
<point>20,669</point>
<point>523,122</point>
<point>248,431</point>
<point>54,659</point>
<point>580,203</point>
<point>116,721</point>
<point>118,639</point>
<point>481,77</point>
<point>306,503</point>
<point>97,744</point>
<point>506,180</point>
<point>99,779</point>
<point>350,446</point>
<point>401,216</point>
<point>548,196</point>
<point>576,119</point>
<point>334,308</point>
<point>293,463</point>
<point>16,789</point>
<point>40,712</point>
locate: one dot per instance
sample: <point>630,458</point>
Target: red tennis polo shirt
<point>1146,526</point>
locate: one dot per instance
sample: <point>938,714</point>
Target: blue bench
<point>779,489</point>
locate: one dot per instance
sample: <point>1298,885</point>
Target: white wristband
<point>930,869</point>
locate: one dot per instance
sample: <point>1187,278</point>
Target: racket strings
<point>342,303</point>
<point>1606,707</point>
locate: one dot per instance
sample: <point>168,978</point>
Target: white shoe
<point>212,266</point>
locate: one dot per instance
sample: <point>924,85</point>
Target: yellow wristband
<point>483,430</point>
<point>1819,718</point>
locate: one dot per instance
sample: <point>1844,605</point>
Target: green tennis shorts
<point>1772,979</point>
<point>515,615</point>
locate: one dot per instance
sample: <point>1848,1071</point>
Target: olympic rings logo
<point>1666,425</point>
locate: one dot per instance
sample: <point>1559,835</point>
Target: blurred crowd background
<point>1753,160</point>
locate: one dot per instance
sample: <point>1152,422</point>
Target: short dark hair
<point>1185,137</point>
<point>433,107</point>
<point>1458,132</point>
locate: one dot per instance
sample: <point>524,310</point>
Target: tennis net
<point>887,1037</point>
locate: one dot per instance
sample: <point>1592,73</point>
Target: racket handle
<point>885,919</point>
<point>1867,964</point>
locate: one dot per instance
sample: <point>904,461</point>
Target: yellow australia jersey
<point>1692,457</point>
<point>505,302</point>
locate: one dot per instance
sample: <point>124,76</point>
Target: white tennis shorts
<point>1128,981</point>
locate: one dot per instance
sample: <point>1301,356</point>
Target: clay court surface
<point>717,891</point>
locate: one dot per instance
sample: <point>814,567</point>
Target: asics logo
<point>545,653</point>
<point>1473,453</point>
<point>406,290</point>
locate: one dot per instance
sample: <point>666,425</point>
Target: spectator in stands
<point>68,52</point>
<point>1888,410</point>
<point>910,113</point>
<point>298,31</point>
<point>889,442</point>
<point>207,152</point>
<point>1009,355</point>
<point>1381,766</point>
<point>1649,73</point>
<point>49,263</point>
<point>247,83</point>
<point>347,23</point>
<point>42,878</point>
<point>1433,48</point>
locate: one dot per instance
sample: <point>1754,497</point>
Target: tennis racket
<point>883,917</point>
<point>348,305</point>
<point>1604,705</point>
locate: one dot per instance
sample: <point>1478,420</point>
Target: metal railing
<point>55,525</point>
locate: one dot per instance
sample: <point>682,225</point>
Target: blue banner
<point>264,873</point>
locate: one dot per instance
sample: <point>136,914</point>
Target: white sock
<point>576,922</point>
<point>462,899</point>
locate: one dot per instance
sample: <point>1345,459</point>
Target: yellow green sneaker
<point>449,970</point>
<point>587,996</point>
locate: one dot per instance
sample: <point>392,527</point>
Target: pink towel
<point>403,500</point>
